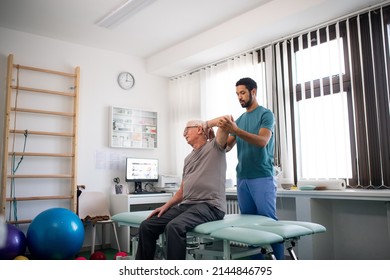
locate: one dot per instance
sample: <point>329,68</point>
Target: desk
<point>349,194</point>
<point>130,203</point>
<point>357,222</point>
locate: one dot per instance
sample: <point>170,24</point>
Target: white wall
<point>98,91</point>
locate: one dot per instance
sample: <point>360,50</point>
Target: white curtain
<point>209,93</point>
<point>185,105</point>
<point>218,94</point>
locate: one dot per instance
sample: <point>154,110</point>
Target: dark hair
<point>248,83</point>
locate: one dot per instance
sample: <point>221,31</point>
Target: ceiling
<point>175,36</point>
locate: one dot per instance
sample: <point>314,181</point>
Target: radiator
<point>232,206</point>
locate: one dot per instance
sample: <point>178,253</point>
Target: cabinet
<point>130,203</point>
<point>133,128</point>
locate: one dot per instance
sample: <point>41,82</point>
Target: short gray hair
<point>205,129</point>
<point>195,123</point>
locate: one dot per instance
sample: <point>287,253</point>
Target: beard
<point>248,103</point>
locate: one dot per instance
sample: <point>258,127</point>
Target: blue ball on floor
<point>15,244</point>
<point>55,234</point>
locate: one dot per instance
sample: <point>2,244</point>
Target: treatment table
<point>235,236</point>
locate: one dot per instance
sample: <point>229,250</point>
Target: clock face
<point>126,80</point>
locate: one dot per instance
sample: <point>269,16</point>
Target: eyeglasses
<point>186,129</point>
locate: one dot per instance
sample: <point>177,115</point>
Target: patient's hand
<point>158,211</point>
<point>154,212</point>
<point>210,133</point>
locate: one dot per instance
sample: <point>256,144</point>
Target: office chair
<point>93,210</point>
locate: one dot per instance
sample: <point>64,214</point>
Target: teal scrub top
<point>255,161</point>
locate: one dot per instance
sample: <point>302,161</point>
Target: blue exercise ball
<point>15,244</point>
<point>55,234</point>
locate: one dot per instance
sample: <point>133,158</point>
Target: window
<point>324,144</point>
<point>341,101</point>
<point>323,60</point>
<point>324,149</point>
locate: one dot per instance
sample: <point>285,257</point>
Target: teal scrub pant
<point>258,197</point>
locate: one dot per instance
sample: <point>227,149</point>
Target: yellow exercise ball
<point>21,258</point>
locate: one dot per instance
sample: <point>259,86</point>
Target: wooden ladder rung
<point>44,70</point>
<point>32,198</point>
<point>43,91</point>
<point>64,134</point>
<point>35,176</point>
<point>20,222</point>
<point>35,111</point>
<point>40,154</point>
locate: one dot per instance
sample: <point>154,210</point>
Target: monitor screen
<point>141,170</point>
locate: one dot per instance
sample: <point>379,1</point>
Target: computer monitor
<point>140,170</point>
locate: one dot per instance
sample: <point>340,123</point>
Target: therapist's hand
<point>227,123</point>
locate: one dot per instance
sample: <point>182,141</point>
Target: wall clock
<point>126,80</point>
